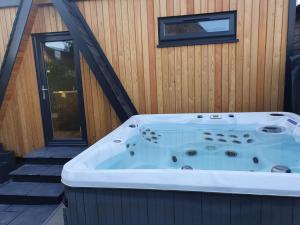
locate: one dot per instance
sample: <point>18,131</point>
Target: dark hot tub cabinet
<point>91,206</point>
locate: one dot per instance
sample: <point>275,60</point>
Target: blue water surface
<point>206,147</point>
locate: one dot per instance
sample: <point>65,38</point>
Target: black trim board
<point>289,54</point>
<point>96,59</point>
<point>13,46</point>
<point>9,3</point>
<point>197,42</point>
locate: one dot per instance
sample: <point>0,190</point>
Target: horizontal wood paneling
<point>243,76</point>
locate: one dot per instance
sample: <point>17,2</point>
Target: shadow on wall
<point>295,75</point>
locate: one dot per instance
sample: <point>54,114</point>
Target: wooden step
<point>53,155</point>
<point>31,193</point>
<point>37,173</point>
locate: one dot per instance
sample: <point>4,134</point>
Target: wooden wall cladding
<point>7,17</point>
<point>21,129</point>
<point>243,76</point>
<point>247,76</point>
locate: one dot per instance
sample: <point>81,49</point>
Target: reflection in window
<point>197,27</point>
<point>215,25</point>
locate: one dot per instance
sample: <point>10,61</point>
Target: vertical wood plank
<point>269,55</point>
<point>218,68</point>
<point>198,66</point>
<point>191,65</point>
<point>178,65</point>
<point>165,66</point>
<point>211,67</point>
<point>184,67</point>
<point>254,55</point>
<point>263,15</point>
<point>247,56</point>
<point>152,59</point>
<point>276,54</point>
<point>139,57</point>
<point>283,55</point>
<point>225,68</point>
<point>171,59</point>
<point>239,56</point>
<point>133,58</point>
<point>145,54</point>
<point>232,67</point>
<point>204,72</point>
<point>159,73</point>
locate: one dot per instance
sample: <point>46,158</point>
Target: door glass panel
<point>62,89</point>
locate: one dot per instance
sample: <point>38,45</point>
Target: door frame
<point>37,40</point>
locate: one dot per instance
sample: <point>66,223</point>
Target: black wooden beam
<point>95,57</point>
<point>9,3</point>
<point>13,46</point>
<point>290,52</point>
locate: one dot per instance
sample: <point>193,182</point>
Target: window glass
<point>197,29</point>
<point>194,27</point>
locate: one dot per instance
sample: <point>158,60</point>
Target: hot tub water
<point>206,147</point>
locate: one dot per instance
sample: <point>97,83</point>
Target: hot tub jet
<point>186,167</point>
<point>191,152</point>
<point>280,169</point>
<point>231,153</point>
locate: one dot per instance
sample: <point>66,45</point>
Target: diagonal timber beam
<point>95,57</point>
<point>14,52</point>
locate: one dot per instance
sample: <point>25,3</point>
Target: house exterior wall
<point>243,76</point>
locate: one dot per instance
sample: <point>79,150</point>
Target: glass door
<point>58,70</point>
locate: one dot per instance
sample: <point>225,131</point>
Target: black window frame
<point>196,39</point>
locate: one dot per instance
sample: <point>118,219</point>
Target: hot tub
<point>227,168</point>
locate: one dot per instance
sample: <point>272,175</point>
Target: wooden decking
<point>25,214</point>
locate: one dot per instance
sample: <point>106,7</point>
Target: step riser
<point>40,179</point>
<point>5,169</point>
<point>48,161</point>
<point>3,174</point>
<point>6,156</point>
<point>25,200</point>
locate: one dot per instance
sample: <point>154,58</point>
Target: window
<point>209,28</point>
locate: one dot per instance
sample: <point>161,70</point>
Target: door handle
<point>43,89</point>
